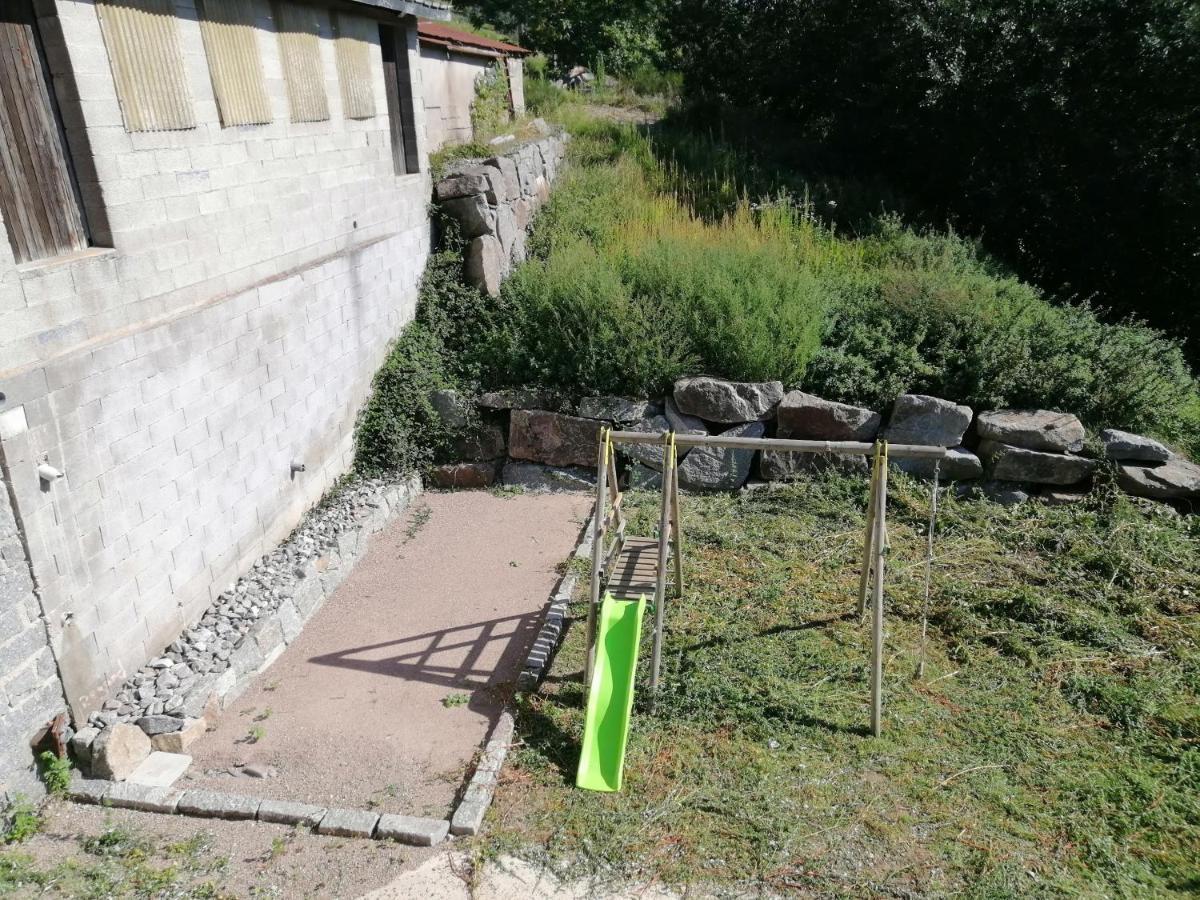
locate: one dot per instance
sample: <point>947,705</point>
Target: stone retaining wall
<point>537,440</point>
<point>495,199</point>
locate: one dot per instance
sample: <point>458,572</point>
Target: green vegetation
<point>665,255</point>
<point>56,772</point>
<point>21,822</point>
<point>1062,133</point>
<point>1051,748</point>
<point>119,863</point>
<point>490,108</point>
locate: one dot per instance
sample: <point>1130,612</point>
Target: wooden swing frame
<point>618,561</point>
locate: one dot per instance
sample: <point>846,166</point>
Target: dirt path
<point>385,697</point>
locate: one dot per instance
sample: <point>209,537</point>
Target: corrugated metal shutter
<point>299,47</point>
<point>142,38</point>
<point>353,51</point>
<point>234,64</point>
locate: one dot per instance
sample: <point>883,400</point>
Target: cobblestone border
<point>467,819</point>
<point>413,830</point>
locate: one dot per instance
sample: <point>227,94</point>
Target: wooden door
<point>38,198</point>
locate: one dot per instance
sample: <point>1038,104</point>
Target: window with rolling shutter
<point>299,30</point>
<point>353,50</point>
<point>234,63</point>
<point>142,39</point>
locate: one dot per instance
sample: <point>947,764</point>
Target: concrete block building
<point>214,218</point>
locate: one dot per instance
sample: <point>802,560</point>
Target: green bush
<point>490,110</point>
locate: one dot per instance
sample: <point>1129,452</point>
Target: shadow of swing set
<point>631,569</point>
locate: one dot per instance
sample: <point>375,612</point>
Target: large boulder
<point>959,464</point>
<point>508,175</point>
<point>650,455</point>
<point>464,475</point>
<point>483,264</point>
<point>1033,429</point>
<point>546,479</point>
<point>473,214</point>
<point>727,402</point>
<point>1176,479</point>
<point>481,442</point>
<point>681,422</point>
<point>464,183</point>
<point>118,750</point>
<point>552,438</point>
<point>784,465</point>
<point>1125,445</point>
<point>1009,463</point>
<point>927,421</point>
<point>452,408</point>
<point>809,417</point>
<point>719,468</point>
<point>524,398</point>
<point>617,409</point>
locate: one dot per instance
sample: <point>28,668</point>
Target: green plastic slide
<point>610,701</point>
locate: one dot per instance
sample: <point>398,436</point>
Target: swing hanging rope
<point>933,505</point>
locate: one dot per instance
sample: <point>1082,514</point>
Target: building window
<point>234,64</point>
<point>397,79</point>
<point>353,51</point>
<point>38,198</point>
<point>299,46</point>
<point>142,39</point>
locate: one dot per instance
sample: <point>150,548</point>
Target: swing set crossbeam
<point>633,567</point>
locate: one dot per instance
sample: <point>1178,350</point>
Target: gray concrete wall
<point>246,285</point>
<point>449,81</point>
<point>30,693</point>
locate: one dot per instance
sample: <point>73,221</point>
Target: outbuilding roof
<point>437,34</point>
<point>430,9</point>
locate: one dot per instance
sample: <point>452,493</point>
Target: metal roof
<point>430,9</point>
<point>439,35</point>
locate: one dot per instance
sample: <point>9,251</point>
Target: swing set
<point>629,570</point>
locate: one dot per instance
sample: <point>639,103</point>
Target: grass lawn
<point>1051,747</point>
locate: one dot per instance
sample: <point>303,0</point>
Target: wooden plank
<point>388,48</point>
<point>635,571</point>
<point>38,196</point>
<point>849,448</point>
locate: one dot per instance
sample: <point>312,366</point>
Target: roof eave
<point>430,9</point>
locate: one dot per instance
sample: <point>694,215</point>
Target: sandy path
<point>384,698</point>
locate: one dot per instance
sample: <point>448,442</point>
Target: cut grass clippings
<point>1050,749</point>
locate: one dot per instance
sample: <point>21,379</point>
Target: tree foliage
<point>1065,132</point>
<point>622,34</point>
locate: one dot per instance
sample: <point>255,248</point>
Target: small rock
<point>1127,446</point>
<point>259,770</point>
<point>118,751</point>
<point>1033,429</point>
<point>452,408</point>
<point>727,402</point>
<point>524,398</point>
<point>784,465</point>
<point>927,421</point>
<point>681,422</point>
<point>153,725</point>
<point>81,745</point>
<point>179,741</point>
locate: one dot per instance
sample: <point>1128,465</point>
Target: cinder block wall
<point>29,688</point>
<point>253,279</point>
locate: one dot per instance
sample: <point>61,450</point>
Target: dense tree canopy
<point>620,34</point>
<point>1065,132</point>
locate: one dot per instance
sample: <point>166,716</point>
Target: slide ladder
<point>631,569</point>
